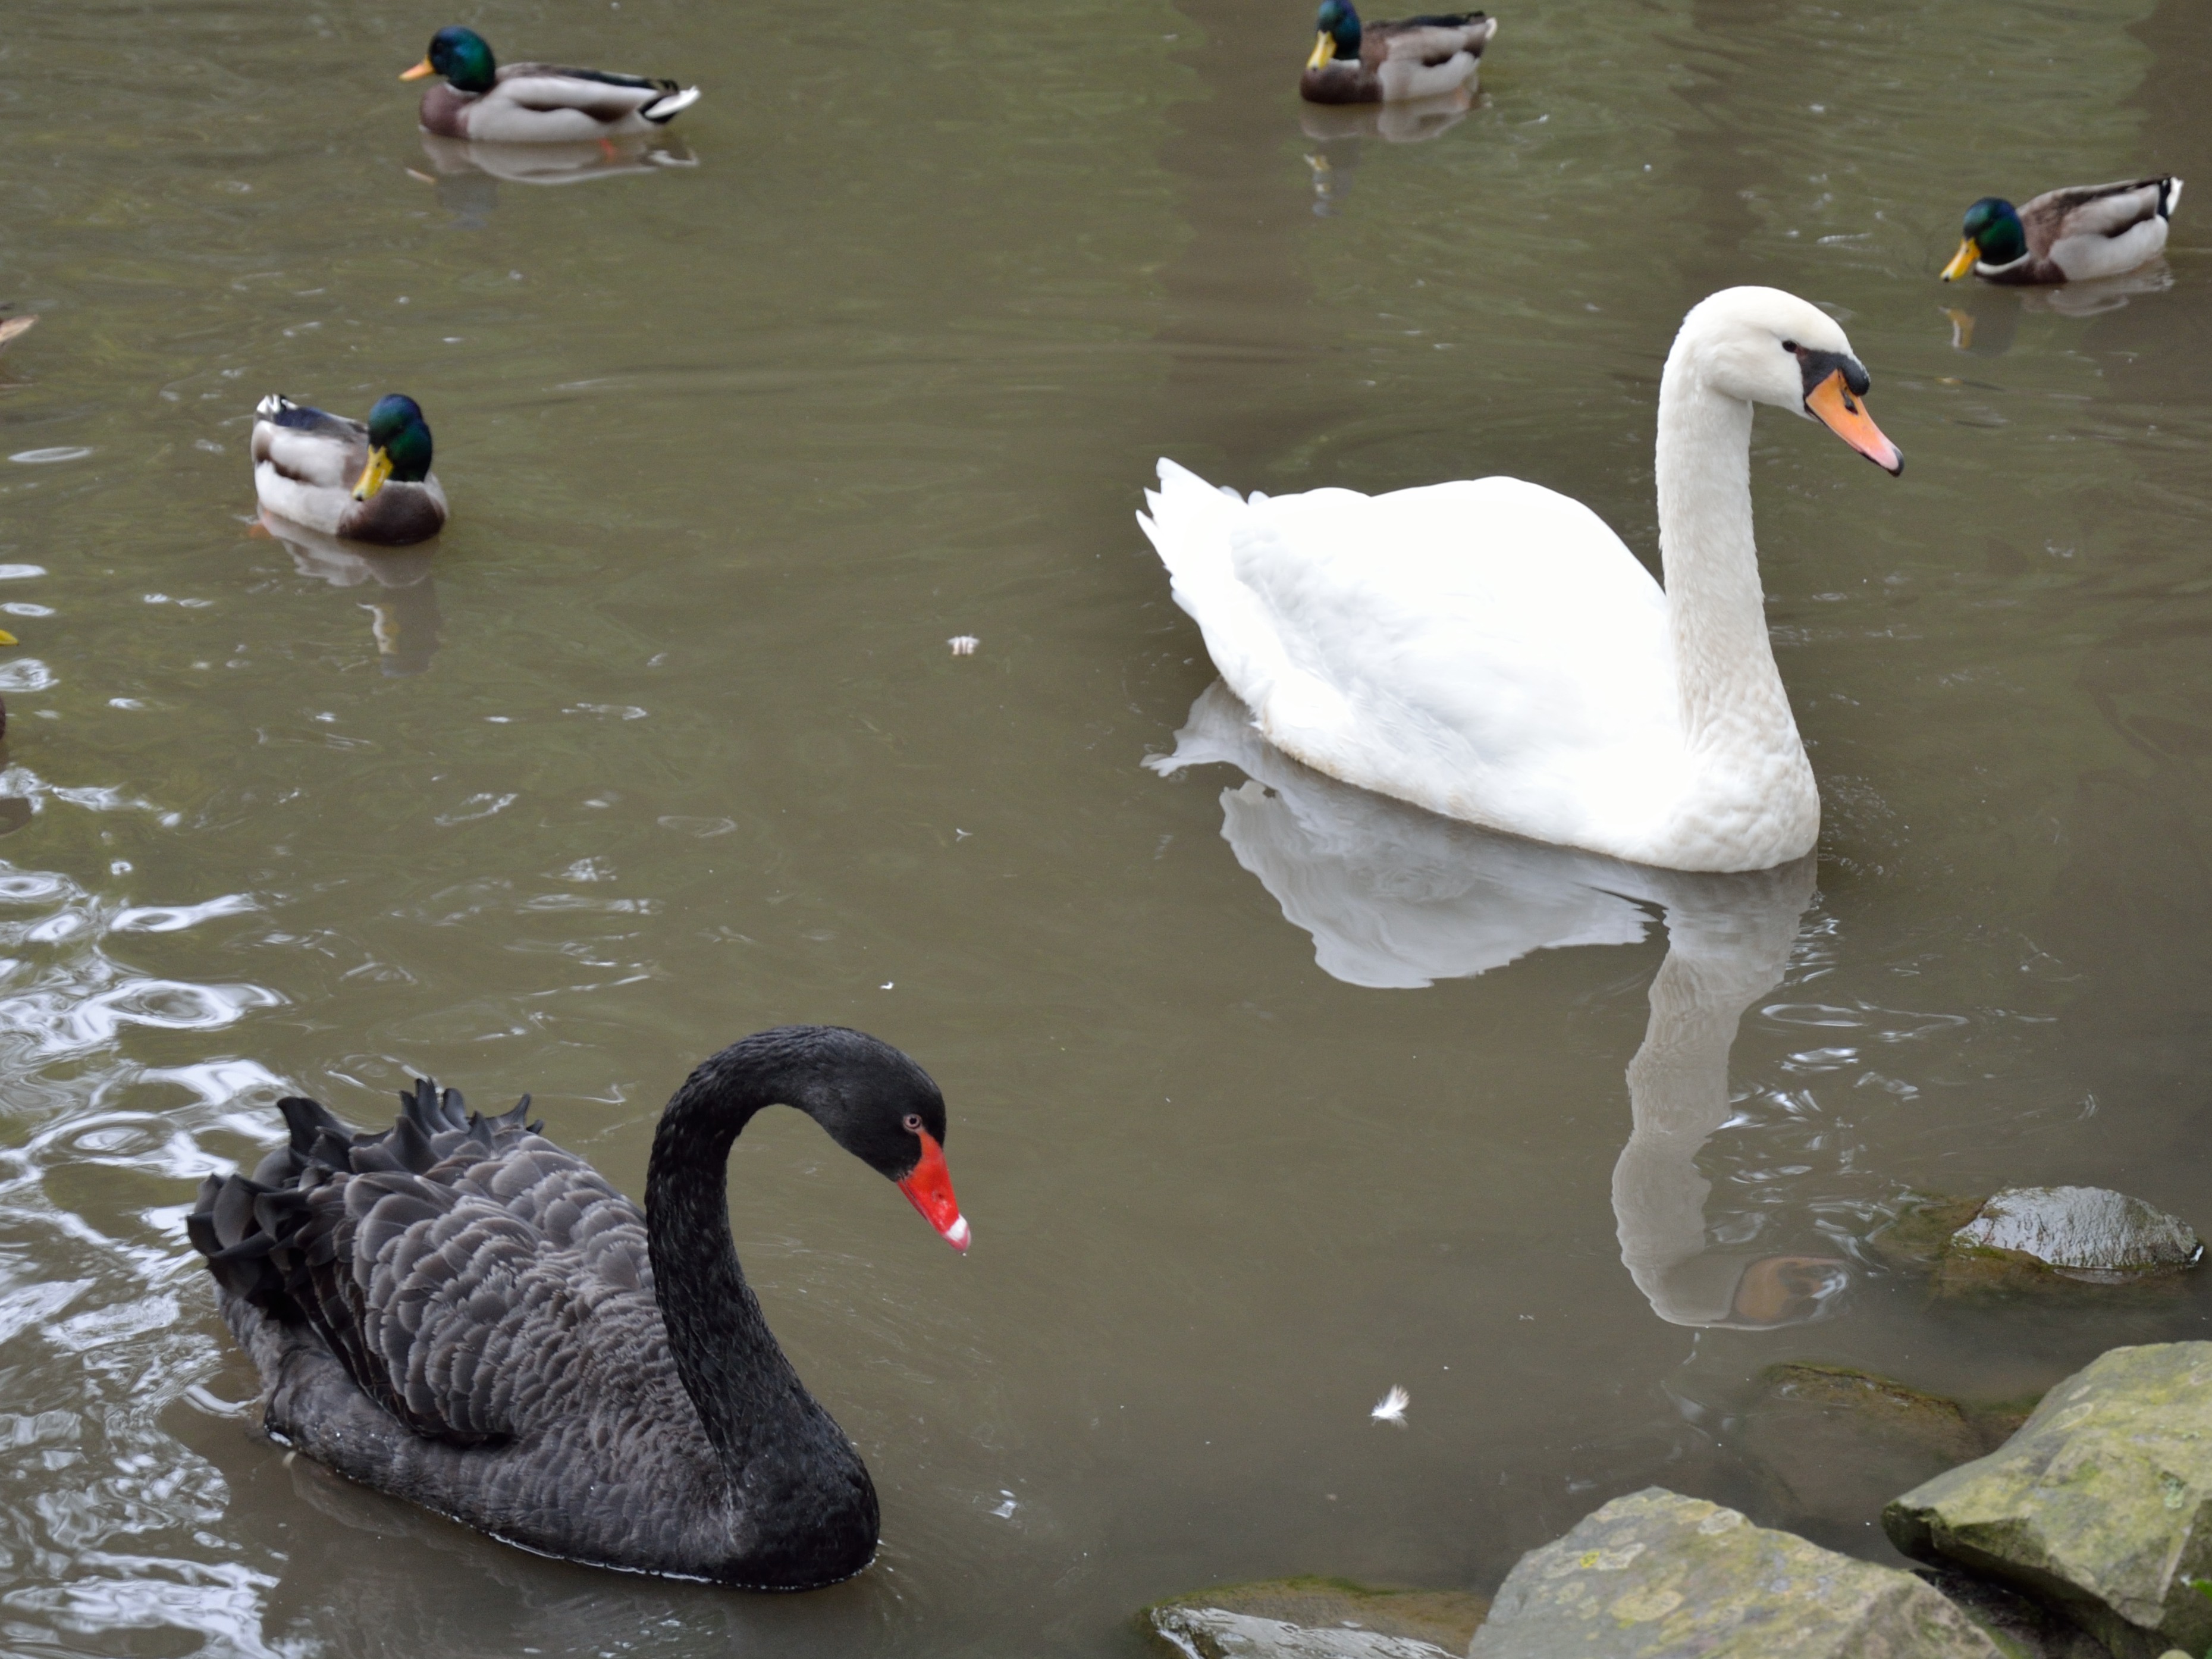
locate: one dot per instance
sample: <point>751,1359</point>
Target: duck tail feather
<point>661,110</point>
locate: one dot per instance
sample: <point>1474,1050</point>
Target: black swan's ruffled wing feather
<point>434,1260</point>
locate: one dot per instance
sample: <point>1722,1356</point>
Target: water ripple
<point>108,1523</point>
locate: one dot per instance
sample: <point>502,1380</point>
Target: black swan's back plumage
<point>459,1312</point>
<point>345,1252</point>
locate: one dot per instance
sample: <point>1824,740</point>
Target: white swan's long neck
<point>1732,698</point>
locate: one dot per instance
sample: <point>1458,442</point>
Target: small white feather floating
<point>963,645</point>
<point>1391,1408</point>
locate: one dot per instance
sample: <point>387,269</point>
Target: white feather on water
<point>1391,1408</point>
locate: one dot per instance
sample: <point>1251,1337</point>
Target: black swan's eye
<point>913,1123</point>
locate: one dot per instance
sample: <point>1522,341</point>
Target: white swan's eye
<point>913,1123</point>
<point>1790,346</point>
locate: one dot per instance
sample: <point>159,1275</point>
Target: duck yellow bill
<point>1962,262</point>
<point>418,71</point>
<point>1324,49</point>
<point>1833,406</point>
<point>373,475</point>
<point>6,638</point>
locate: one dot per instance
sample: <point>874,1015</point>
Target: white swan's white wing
<point>1488,650</point>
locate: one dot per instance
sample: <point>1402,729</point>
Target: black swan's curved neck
<point>779,1449</point>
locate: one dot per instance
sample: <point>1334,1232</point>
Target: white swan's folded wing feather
<point>1486,649</point>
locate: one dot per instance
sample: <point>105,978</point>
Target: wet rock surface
<point>1838,1443</point>
<point>1316,1619</point>
<point>2079,1231</point>
<point>2102,1505</point>
<point>1657,1574</point>
<point>2045,1238</point>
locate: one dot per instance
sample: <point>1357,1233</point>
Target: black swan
<point>459,1313</point>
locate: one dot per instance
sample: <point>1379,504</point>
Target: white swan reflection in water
<point>1394,896</point>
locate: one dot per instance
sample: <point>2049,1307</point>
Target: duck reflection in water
<point>1394,896</point>
<point>1340,131</point>
<point>404,612</point>
<point>467,174</point>
<point>1985,320</point>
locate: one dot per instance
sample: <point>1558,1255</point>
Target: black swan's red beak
<point>929,1188</point>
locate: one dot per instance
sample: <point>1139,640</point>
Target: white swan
<point>1491,651</point>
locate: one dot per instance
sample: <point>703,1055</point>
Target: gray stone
<point>2082,1232</point>
<point>2101,1504</point>
<point>1656,1575</point>
<point>2047,1240</point>
<point>1316,1619</point>
<point>1214,1633</point>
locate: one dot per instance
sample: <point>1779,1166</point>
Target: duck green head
<point>1339,36</point>
<point>398,445</point>
<point>462,56</point>
<point>1992,236</point>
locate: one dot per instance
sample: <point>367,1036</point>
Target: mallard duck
<point>365,483</point>
<point>1385,63</point>
<point>535,103</point>
<point>2067,236</point>
<point>1491,651</point>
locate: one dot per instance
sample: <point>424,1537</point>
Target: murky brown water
<point>664,743</point>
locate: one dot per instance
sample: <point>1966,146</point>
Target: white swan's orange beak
<point>929,1189</point>
<point>1830,402</point>
<point>418,71</point>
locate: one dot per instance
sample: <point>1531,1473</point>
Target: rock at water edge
<point>2102,1504</point>
<point>1213,1633</point>
<point>2082,1232</point>
<point>1839,1442</point>
<point>1655,1574</point>
<point>1314,1617</point>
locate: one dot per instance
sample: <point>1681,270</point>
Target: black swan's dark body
<point>459,1313</point>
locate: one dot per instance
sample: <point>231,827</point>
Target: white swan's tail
<point>1203,534</point>
<point>1192,527</point>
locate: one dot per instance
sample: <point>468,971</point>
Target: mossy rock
<point>2100,1506</point>
<point>1953,1429</point>
<point>1838,1443</point>
<point>1916,1240</point>
<point>1658,1576</point>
